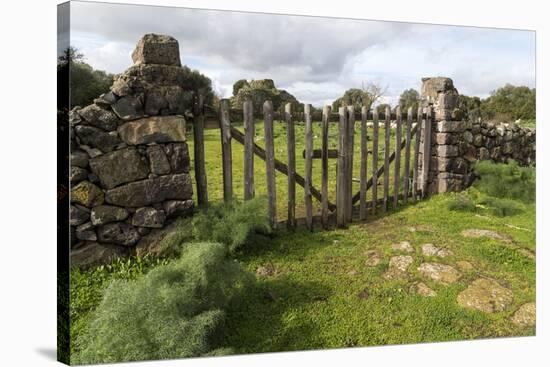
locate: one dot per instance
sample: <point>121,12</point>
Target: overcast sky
<point>316,59</point>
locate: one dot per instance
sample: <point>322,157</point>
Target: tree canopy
<point>510,103</point>
<point>409,98</point>
<point>359,97</point>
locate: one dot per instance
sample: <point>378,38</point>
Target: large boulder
<point>154,190</point>
<point>157,49</point>
<point>157,129</point>
<point>120,166</point>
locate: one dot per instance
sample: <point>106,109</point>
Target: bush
<point>506,180</point>
<point>462,202</point>
<point>232,224</point>
<point>501,207</point>
<point>174,311</point>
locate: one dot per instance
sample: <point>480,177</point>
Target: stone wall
<point>129,157</point>
<point>456,144</point>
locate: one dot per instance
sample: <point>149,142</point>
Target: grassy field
<point>321,294</point>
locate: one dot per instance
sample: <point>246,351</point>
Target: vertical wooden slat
<point>308,166</point>
<point>291,157</point>
<point>248,114</point>
<point>416,155</point>
<point>406,172</point>
<point>363,167</point>
<point>426,152</point>
<point>341,170</point>
<point>375,132</point>
<point>397,163</point>
<point>227,165</point>
<point>270,163</point>
<point>386,159</point>
<point>198,134</point>
<point>351,147</point>
<point>324,166</point>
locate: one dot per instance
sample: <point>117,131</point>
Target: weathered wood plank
<point>386,159</point>
<point>349,173</point>
<point>318,153</point>
<point>341,170</point>
<point>325,155</point>
<point>363,166</point>
<point>198,134</point>
<point>407,169</point>
<point>227,160</point>
<point>308,166</point>
<point>416,154</point>
<point>426,151</point>
<point>375,132</point>
<point>397,163</point>
<point>279,166</point>
<point>248,116</point>
<point>270,163</point>
<point>291,157</point>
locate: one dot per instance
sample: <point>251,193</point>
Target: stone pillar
<point>448,170</point>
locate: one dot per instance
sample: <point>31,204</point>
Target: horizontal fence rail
<point>394,160</point>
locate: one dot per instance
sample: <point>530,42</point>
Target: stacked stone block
<point>129,155</point>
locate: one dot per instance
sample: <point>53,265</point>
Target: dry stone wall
<point>129,156</point>
<point>456,144</point>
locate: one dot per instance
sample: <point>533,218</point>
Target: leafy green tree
<point>382,107</point>
<point>510,103</point>
<point>470,106</point>
<point>365,96</point>
<point>238,85</point>
<point>409,98</point>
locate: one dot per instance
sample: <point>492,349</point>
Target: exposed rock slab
<point>157,129</point>
<point>429,249</point>
<point>120,166</point>
<point>438,272</point>
<point>422,289</point>
<point>149,191</point>
<point>398,267</point>
<point>477,233</point>
<point>525,316</point>
<point>402,246</point>
<point>373,257</point>
<point>485,295</point>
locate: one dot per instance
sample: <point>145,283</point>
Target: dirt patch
<point>525,316</point>
<point>485,295</point>
<point>441,273</point>
<point>478,233</point>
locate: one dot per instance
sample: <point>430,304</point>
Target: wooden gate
<point>407,177</point>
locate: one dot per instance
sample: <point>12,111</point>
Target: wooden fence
<point>414,181</point>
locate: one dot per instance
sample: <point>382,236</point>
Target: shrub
<point>176,310</point>
<point>501,207</point>
<point>232,224</point>
<point>462,202</point>
<point>506,180</point>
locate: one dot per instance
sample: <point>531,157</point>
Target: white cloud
<point>314,58</point>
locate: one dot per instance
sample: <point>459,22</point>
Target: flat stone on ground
<point>526,315</point>
<point>430,250</point>
<point>477,233</point>
<point>485,295</point>
<point>438,272</point>
<point>398,267</point>
<point>422,289</point>
<point>373,257</point>
<point>465,265</point>
<point>402,246</point>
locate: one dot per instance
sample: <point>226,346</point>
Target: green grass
<point>312,300</point>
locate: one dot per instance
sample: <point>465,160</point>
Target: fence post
<point>350,145</point>
<point>248,115</point>
<point>363,168</point>
<point>416,157</point>
<point>198,134</point>
<point>308,166</point>
<point>270,162</point>
<point>397,164</point>
<point>227,165</point>
<point>341,170</point>
<point>407,173</point>
<point>291,156</point>
<point>386,159</point>
<point>426,151</point>
<point>375,133</point>
<point>324,166</point>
